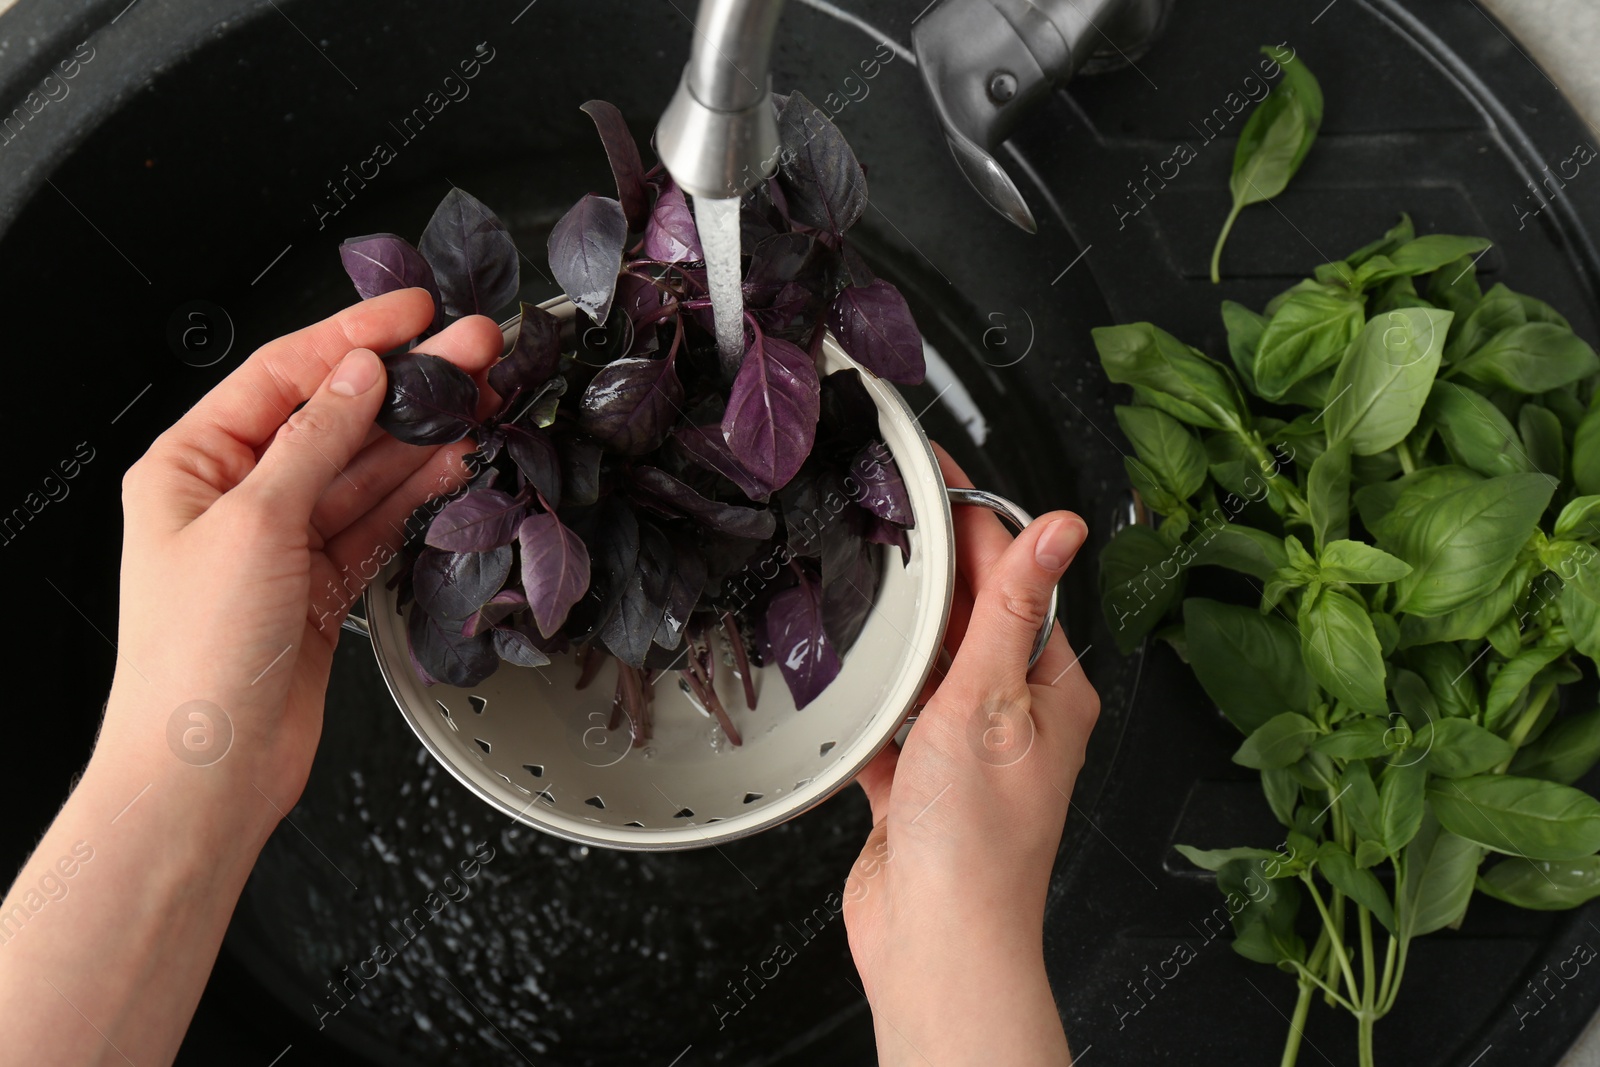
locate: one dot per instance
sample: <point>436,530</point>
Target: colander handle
<point>356,625</point>
<point>1020,519</point>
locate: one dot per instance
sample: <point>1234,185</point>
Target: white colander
<point>537,749</point>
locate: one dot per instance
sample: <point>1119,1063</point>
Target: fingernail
<point>1059,543</point>
<point>356,373</point>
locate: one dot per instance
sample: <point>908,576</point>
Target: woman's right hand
<point>945,906</point>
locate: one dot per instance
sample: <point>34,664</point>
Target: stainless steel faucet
<point>983,62</point>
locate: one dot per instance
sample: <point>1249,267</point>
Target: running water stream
<point>718,223</point>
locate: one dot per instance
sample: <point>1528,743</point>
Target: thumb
<point>318,441</point>
<point>1013,601</point>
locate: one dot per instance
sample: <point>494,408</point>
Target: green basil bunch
<point>1403,474</point>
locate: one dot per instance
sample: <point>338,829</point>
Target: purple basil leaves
<point>623,153</point>
<point>677,498</point>
<point>632,404</point>
<point>515,646</point>
<point>450,586</point>
<point>771,420</point>
<point>631,629</point>
<point>479,520</point>
<point>445,654</point>
<point>580,470</point>
<point>707,448</point>
<point>472,255</point>
<point>555,570</point>
<point>799,641</point>
<point>586,253</point>
<point>883,490</point>
<point>534,357</point>
<point>875,327</point>
<point>670,236</point>
<point>430,400</point>
<point>496,608</point>
<point>382,263</point>
<point>823,184</point>
<point>537,460</point>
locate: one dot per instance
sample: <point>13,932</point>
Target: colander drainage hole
<point>827,746</point>
<point>802,783</point>
<point>596,802</point>
<point>482,744</point>
<point>445,711</point>
<point>640,825</point>
<point>546,796</point>
<point>535,769</point>
<point>751,798</point>
<point>478,703</point>
<point>686,813</point>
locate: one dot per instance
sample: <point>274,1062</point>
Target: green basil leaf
<point>1525,817</point>
<point>1578,564</point>
<point>1439,871</point>
<point>1400,796</point>
<point>1543,439</point>
<point>1308,334</point>
<point>1166,447</point>
<point>1538,311</point>
<point>1424,255</point>
<point>1264,924</point>
<point>1155,495</point>
<point>1384,378</point>
<point>1282,793</point>
<point>1460,748</point>
<point>1475,431</point>
<point>1248,664</point>
<point>1415,701</point>
<point>1140,578</point>
<point>1274,141</point>
<point>1341,650</point>
<point>1543,885</point>
<point>1361,886</point>
<point>1454,287</point>
<point>1328,494</point>
<point>1581,616</point>
<point>1400,233</point>
<point>1143,356</point>
<point>1388,631</point>
<point>1240,548</point>
<point>1500,309</point>
<point>1586,454</point>
<point>1213,859</point>
<point>1278,742</point>
<point>1244,338</point>
<point>1352,561</point>
<point>1357,739</point>
<point>1580,519</point>
<point>1388,507</point>
<point>1531,358</point>
<point>1474,620</point>
<point>1462,546</point>
<point>1513,680</point>
<point>1563,753</point>
<point>1447,671</point>
<point>1357,797</point>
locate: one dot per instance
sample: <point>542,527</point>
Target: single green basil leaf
<point>1166,447</point>
<point>1328,494</point>
<point>1311,392</point>
<point>1543,885</point>
<point>1424,255</point>
<point>1361,886</point>
<point>1384,378</point>
<point>1213,859</point>
<point>1525,817</point>
<point>1542,437</point>
<point>1387,507</point>
<point>1308,334</point>
<point>1143,356</point>
<point>1397,293</point>
<point>1150,488</point>
<point>1580,519</point>
<point>1513,680</point>
<point>1460,748</point>
<point>1475,619</point>
<point>1417,706</point>
<point>1400,797</point>
<point>1278,742</point>
<point>1462,546</point>
<point>1566,406</point>
<point>1388,631</point>
<point>1282,793</point>
<point>1240,548</point>
<point>1500,309</point>
<point>1475,431</point>
<point>1581,616</point>
<point>1366,738</point>
<point>1247,663</point>
<point>1563,753</point>
<point>1454,287</point>
<point>1439,871</point>
<point>1244,337</point>
<point>1357,797</point>
<point>1531,358</point>
<point>1140,578</point>
<point>1577,562</point>
<point>1586,454</point>
<point>1340,649</point>
<point>1352,561</point>
<point>1446,670</point>
<point>1538,311</point>
<point>1273,143</point>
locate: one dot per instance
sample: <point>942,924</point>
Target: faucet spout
<point>718,137</point>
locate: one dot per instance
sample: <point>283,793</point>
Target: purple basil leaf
<point>586,253</point>
<point>382,263</point>
<point>536,457</point>
<point>472,255</point>
<point>771,420</point>
<point>479,520</point>
<point>580,470</point>
<point>705,446</point>
<point>611,531</point>
<point>601,345</point>
<point>790,275</point>
<point>517,648</point>
<point>498,607</point>
<point>874,326</point>
<point>445,655</point>
<point>822,183</point>
<point>848,593</point>
<point>755,523</point>
<point>534,355</point>
<point>430,401</point>
<point>555,570</point>
<point>856,270</point>
<point>806,512</point>
<point>883,532</point>
<point>799,641</point>
<point>671,236</point>
<point>641,299</point>
<point>626,166</point>
<point>849,419</point>
<point>631,405</point>
<point>631,629</point>
<point>883,490</point>
<point>688,580</point>
<point>450,586</point>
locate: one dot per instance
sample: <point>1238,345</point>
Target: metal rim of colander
<point>699,835</point>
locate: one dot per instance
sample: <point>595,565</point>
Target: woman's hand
<point>251,529</point>
<point>945,907</point>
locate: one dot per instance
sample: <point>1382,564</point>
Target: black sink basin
<point>217,152</point>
